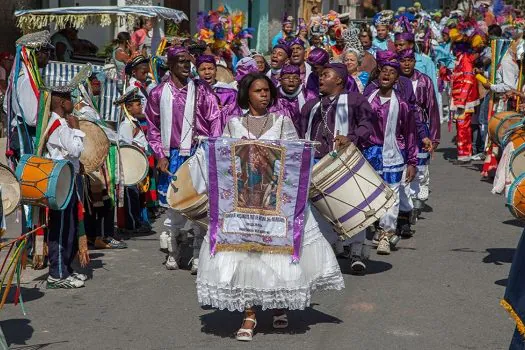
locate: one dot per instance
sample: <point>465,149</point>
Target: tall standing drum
<point>500,123</point>
<point>516,197</point>
<point>45,182</point>
<point>96,146</point>
<point>134,164</point>
<point>184,199</point>
<point>10,189</point>
<point>348,192</point>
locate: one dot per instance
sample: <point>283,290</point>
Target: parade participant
<point>292,96</point>
<point>286,33</point>
<point>429,140</point>
<point>393,153</point>
<point>382,23</point>
<point>139,72</point>
<point>297,58</point>
<point>465,97</point>
<point>317,59</point>
<point>22,97</point>
<point>64,141</point>
<point>302,32</point>
<point>207,70</point>
<point>280,55</point>
<point>242,280</point>
<point>424,63</point>
<point>171,131</point>
<point>131,133</point>
<point>262,64</point>
<point>368,63</point>
<point>352,58</point>
<point>339,46</point>
<point>338,117</point>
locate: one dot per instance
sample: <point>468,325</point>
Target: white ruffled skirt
<point>239,280</point>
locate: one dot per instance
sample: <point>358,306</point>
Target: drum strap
<point>56,124</point>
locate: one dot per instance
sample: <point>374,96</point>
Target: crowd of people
<point>385,87</point>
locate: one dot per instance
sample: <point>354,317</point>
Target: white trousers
<point>178,227</point>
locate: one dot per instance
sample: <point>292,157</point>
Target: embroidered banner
<point>258,192</point>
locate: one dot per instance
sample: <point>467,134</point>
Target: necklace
<point>258,124</point>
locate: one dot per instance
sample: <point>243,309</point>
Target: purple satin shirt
<point>426,99</point>
<point>312,86</point>
<point>288,106</point>
<point>360,123</point>
<point>405,130</point>
<point>207,120</point>
<point>226,96</point>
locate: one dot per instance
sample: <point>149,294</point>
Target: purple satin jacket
<point>207,120</point>
<point>426,99</point>
<point>405,131</point>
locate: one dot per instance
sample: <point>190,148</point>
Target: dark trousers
<point>132,207</point>
<point>100,221</point>
<point>517,342</point>
<point>63,240</point>
<point>477,139</point>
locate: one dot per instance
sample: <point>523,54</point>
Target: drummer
<point>207,70</point>
<point>130,133</point>
<point>393,149</point>
<point>335,119</point>
<point>64,141</point>
<point>171,133</point>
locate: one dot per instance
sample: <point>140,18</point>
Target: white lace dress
<point>239,280</point>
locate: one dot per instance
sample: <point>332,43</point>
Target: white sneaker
<point>79,276</point>
<point>171,263</point>
<point>164,240</point>
<point>384,246</point>
<point>194,266</point>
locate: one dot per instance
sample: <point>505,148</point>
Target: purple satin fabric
<point>213,195</point>
<point>207,120</point>
<point>425,97</point>
<point>226,96</point>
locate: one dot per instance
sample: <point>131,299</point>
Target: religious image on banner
<point>258,193</point>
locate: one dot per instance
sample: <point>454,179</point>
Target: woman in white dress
<point>240,281</point>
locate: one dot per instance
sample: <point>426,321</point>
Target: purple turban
<point>246,66</point>
<point>283,47</point>
<point>205,59</point>
<point>175,51</point>
<point>318,56</point>
<point>340,69</point>
<point>387,58</point>
<point>290,69</point>
<point>296,41</point>
<point>407,53</point>
<point>404,36</point>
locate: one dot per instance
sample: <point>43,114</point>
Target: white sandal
<point>246,334</point>
<point>280,321</point>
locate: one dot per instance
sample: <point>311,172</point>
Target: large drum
<point>134,163</point>
<point>224,75</point>
<point>348,192</point>
<point>516,197</point>
<point>517,160</point>
<point>45,182</point>
<point>184,199</point>
<point>96,146</point>
<point>500,123</point>
<point>10,189</point>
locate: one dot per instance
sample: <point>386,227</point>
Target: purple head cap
<point>387,58</point>
<point>283,47</point>
<point>176,50</point>
<point>318,56</point>
<point>287,19</point>
<point>296,41</point>
<point>290,69</point>
<point>246,66</point>
<point>407,53</point>
<point>205,59</point>
<point>446,30</point>
<point>404,36</point>
<point>340,69</point>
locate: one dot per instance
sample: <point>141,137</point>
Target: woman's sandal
<point>246,334</point>
<point>280,321</point>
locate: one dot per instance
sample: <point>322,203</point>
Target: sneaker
<point>171,263</point>
<point>79,276</point>
<point>357,266</point>
<point>115,244</point>
<point>477,157</point>
<point>194,266</point>
<point>65,283</point>
<point>384,247</point>
<point>406,231</point>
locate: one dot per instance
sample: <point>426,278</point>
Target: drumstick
<point>2,246</point>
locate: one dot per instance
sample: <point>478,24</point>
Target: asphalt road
<point>440,290</point>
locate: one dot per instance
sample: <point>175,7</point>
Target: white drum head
<point>134,165</point>
<point>63,188</point>
<point>10,190</point>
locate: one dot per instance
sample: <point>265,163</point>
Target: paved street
<point>441,290</point>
